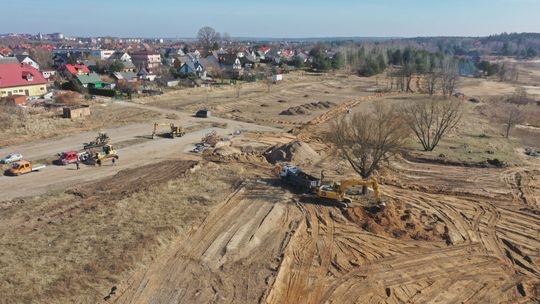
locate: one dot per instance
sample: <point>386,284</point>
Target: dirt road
<point>58,177</point>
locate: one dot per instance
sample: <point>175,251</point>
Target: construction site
<point>256,203</point>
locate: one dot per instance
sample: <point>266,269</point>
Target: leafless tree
<point>207,37</point>
<point>511,115</point>
<point>433,80</point>
<point>449,76</point>
<point>430,120</point>
<point>503,71</point>
<point>520,97</point>
<point>367,140</point>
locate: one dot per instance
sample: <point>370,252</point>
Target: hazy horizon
<point>278,19</point>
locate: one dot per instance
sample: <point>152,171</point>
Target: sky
<point>271,18</point>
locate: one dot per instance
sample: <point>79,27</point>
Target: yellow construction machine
<point>175,131</point>
<point>337,191</point>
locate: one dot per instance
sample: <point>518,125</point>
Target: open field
<point>169,226</point>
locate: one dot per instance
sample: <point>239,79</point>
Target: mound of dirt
<point>399,222</point>
<point>296,152</point>
<point>305,108</point>
<point>226,151</point>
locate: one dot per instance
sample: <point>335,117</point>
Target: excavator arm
<point>338,191</point>
<point>346,184</point>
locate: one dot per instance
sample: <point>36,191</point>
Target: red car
<point>68,157</point>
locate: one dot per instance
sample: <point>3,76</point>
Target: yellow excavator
<point>337,191</point>
<point>176,131</point>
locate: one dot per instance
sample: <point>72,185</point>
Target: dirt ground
<point>221,228</point>
<point>35,124</point>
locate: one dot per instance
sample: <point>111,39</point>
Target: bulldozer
<point>337,191</point>
<point>175,131</point>
<point>94,156</point>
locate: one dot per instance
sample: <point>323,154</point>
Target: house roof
<point>74,68</point>
<point>228,59</point>
<point>14,75</point>
<point>118,55</point>
<point>8,60</point>
<point>145,53</point>
<point>129,76</point>
<point>20,58</point>
<point>90,78</point>
<point>5,51</point>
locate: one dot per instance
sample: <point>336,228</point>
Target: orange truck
<point>23,167</point>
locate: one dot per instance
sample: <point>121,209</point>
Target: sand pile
<point>296,152</point>
<point>233,154</point>
<point>306,108</point>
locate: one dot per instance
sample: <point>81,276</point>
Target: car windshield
<point>15,166</point>
<point>63,155</point>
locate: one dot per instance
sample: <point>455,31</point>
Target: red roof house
<point>5,51</point>
<point>75,69</point>
<point>20,78</point>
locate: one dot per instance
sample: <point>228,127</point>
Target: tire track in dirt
<point>231,257</point>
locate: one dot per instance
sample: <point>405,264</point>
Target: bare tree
<point>207,37</point>
<point>367,140</point>
<point>503,71</point>
<point>430,120</point>
<point>432,80</point>
<point>449,76</point>
<point>511,115</point>
<point>520,97</point>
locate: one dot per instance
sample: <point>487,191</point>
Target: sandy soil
<point>450,234</point>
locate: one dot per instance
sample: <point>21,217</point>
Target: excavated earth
<point>449,235</point>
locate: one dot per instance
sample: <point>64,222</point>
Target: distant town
<point>43,66</point>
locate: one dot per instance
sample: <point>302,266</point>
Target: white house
<point>48,73</point>
<point>102,54</point>
<point>121,56</point>
<point>26,59</point>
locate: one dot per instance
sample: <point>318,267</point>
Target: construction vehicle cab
<point>175,131</point>
<point>295,177</point>
<point>337,191</point>
<point>101,140</point>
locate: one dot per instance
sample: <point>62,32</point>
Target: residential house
<point>92,80</point>
<point>5,51</point>
<point>48,73</point>
<point>149,60</point>
<point>123,77</point>
<point>76,69</point>
<point>20,78</point>
<point>120,56</point>
<point>193,67</point>
<point>231,64</point>
<point>101,54</point>
<point>143,74</point>
<point>128,66</point>
<point>27,60</point>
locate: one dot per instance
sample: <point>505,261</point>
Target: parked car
<point>203,113</point>
<point>70,157</point>
<point>14,157</point>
